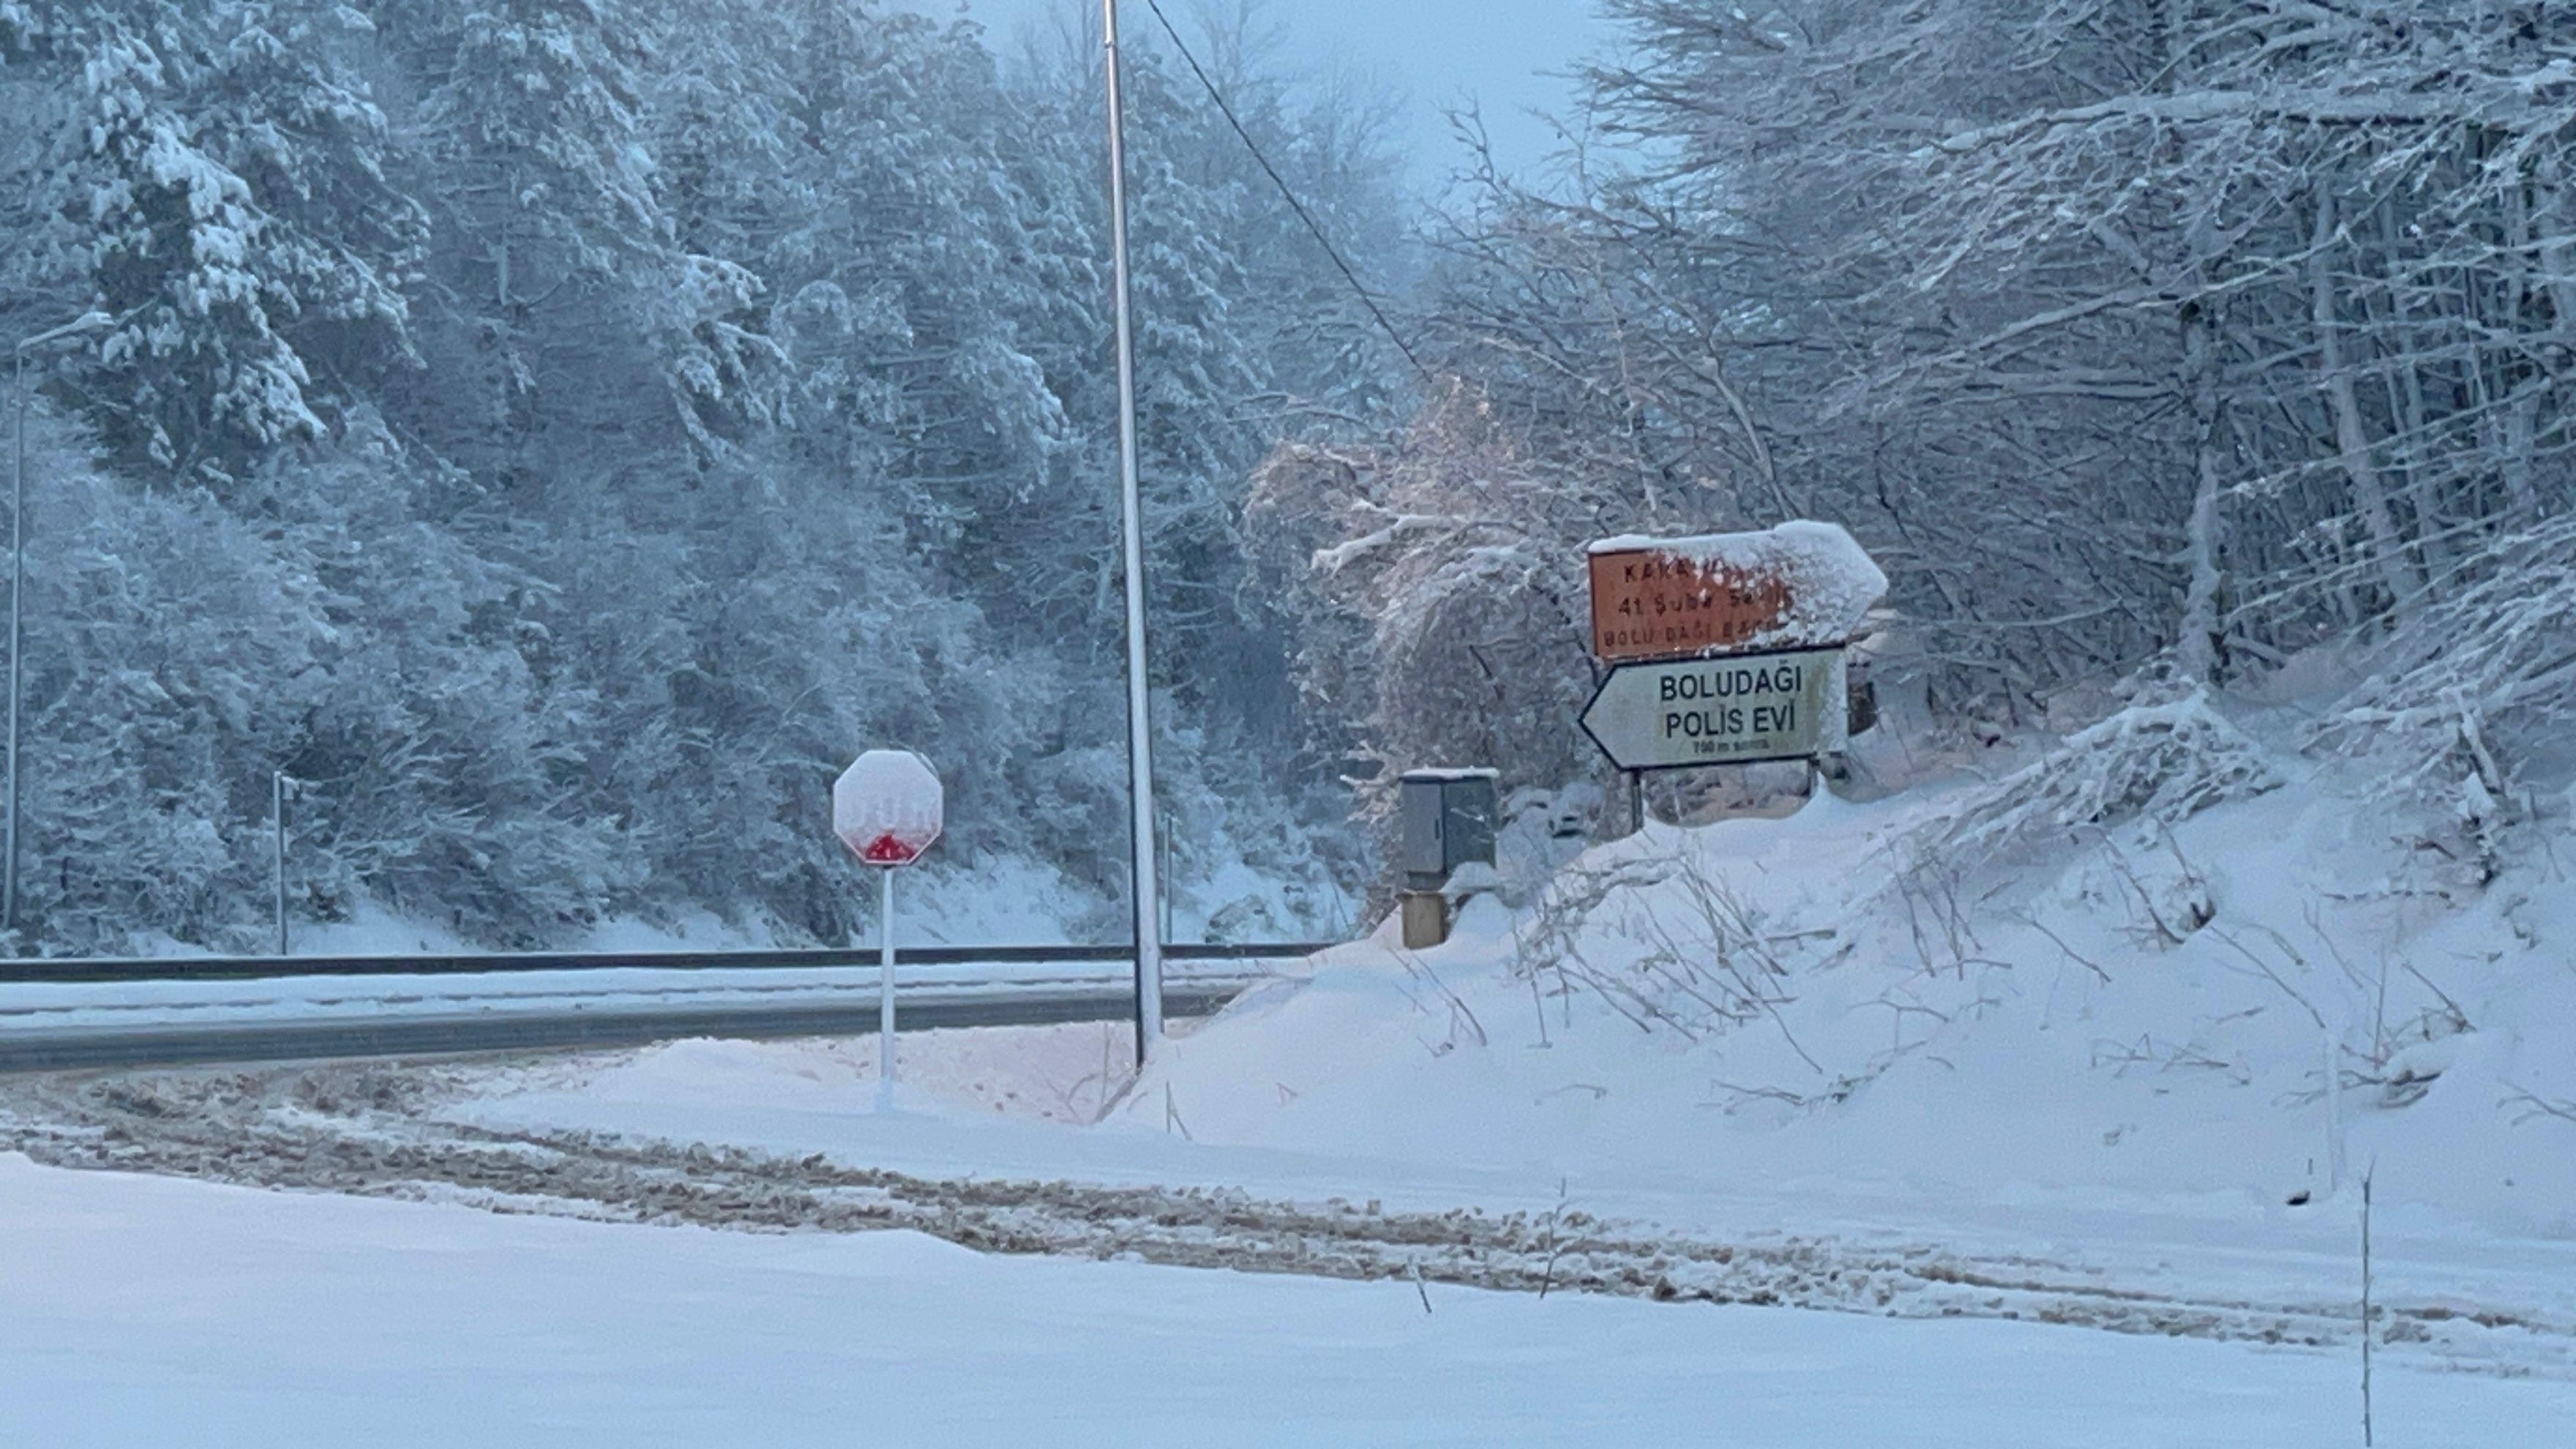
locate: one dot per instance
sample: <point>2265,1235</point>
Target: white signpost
<point>1737,709</point>
<point>887,808</point>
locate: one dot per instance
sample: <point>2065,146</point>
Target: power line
<point>1367,299</point>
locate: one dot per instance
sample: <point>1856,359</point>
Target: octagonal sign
<point>886,807</point>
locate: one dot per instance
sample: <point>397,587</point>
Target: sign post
<point>888,808</point>
<point>1725,649</point>
<point>885,988</point>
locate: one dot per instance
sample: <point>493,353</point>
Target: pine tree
<point>527,133</point>
<point>196,377</point>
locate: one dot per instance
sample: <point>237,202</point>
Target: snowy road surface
<point>48,1026</point>
<point>151,1310</point>
<point>30,1007</point>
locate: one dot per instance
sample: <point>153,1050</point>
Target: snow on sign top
<point>887,807</point>
<point>1799,584</point>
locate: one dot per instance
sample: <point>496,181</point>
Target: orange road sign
<point>1649,604</point>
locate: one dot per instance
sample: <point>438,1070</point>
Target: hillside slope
<point>1975,993</point>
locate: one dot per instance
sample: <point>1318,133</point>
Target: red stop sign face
<point>887,807</point>
<point>889,849</point>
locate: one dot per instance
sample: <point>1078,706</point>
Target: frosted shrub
<point>1439,584</point>
<point>1671,945</point>
<point>2471,694</point>
<point>2162,761</point>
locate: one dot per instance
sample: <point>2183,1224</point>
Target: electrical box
<point>1447,819</point>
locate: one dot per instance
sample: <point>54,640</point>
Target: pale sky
<point>1434,52</point>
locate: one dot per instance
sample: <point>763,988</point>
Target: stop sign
<point>886,807</point>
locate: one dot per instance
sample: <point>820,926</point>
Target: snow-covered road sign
<point>887,807</point>
<point>1731,710</point>
<point>1799,584</point>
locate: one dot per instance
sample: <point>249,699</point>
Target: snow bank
<point>2143,1016</point>
<point>1063,1073</point>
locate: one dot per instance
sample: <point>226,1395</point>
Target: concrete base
<point>1426,918</point>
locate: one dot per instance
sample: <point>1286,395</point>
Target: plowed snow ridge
<point>366,1130</point>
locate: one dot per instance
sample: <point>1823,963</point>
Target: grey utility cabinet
<point>1448,821</point>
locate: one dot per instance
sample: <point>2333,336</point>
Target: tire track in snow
<point>365,1129</point>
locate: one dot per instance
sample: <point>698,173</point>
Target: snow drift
<point>2163,963</point>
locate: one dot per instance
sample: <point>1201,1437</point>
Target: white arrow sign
<point>1730,710</point>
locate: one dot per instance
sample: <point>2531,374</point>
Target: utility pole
<point>1144,889</point>
<point>82,325</point>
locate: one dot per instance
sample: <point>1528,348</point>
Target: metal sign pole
<point>1164,842</point>
<point>278,785</point>
<point>17,587</point>
<point>885,990</point>
<point>1144,889</point>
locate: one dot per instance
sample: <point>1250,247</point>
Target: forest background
<point>559,432</point>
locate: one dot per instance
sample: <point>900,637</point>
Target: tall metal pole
<point>277,782</point>
<point>17,586</point>
<point>86,322</point>
<point>1144,888</point>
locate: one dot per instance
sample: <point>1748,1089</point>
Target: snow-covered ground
<point>995,902</point>
<point>152,1311</point>
<point>1932,1059</point>
<point>2102,1052</point>
<point>1990,1064</point>
<point>2136,1021</point>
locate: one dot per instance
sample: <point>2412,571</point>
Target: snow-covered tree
<point>597,417</point>
<point>2204,329</point>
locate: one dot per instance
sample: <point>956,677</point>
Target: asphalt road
<point>54,1049</point>
<point>738,994</point>
<point>91,970</point>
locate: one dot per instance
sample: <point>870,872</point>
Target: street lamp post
<point>81,326</point>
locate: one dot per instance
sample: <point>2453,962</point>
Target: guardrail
<point>616,1014</point>
<point>251,968</point>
